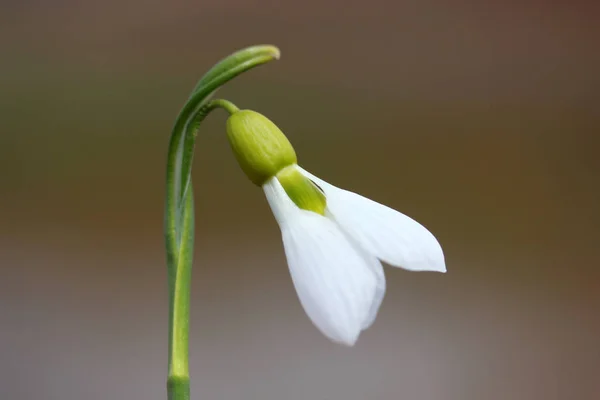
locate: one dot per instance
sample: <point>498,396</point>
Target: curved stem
<point>179,207</point>
<point>222,103</point>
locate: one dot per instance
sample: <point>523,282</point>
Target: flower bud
<point>260,148</point>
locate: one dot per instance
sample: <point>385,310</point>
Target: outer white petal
<point>377,268</point>
<point>335,283</point>
<point>382,231</point>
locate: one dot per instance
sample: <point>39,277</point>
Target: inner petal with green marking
<point>303,192</point>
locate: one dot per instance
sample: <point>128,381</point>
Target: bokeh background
<point>478,119</point>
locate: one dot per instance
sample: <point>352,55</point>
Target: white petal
<point>380,286</point>
<point>377,268</point>
<point>336,285</point>
<point>282,206</point>
<point>384,232</point>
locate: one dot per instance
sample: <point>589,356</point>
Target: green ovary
<point>260,147</point>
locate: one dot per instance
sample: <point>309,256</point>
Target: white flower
<point>334,240</point>
<point>334,259</point>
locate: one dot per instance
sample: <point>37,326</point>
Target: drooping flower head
<point>334,239</point>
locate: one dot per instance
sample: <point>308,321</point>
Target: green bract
<point>303,192</point>
<point>260,148</point>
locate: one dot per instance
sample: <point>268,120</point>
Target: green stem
<point>178,380</point>
<point>179,207</point>
<point>221,103</point>
<point>178,388</point>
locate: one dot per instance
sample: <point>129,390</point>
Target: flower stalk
<point>179,207</point>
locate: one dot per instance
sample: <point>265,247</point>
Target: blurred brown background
<point>478,119</point>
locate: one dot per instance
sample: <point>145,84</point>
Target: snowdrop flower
<point>334,240</point>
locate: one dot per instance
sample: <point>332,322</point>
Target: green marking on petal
<point>303,192</point>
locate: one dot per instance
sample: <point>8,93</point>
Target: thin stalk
<point>179,207</point>
<point>178,379</point>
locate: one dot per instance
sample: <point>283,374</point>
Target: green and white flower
<point>334,240</point>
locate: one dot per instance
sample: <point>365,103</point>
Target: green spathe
<point>260,148</point>
<point>303,192</point>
